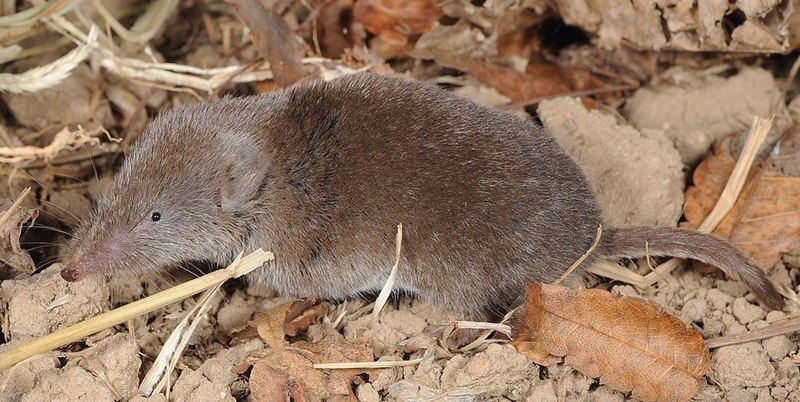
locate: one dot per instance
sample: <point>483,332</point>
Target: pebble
<point>775,316</point>
<point>779,393</point>
<point>745,365</point>
<point>366,393</point>
<point>746,312</point>
<point>732,326</point>
<point>763,395</point>
<point>544,392</point>
<point>733,288</point>
<point>712,325</point>
<point>694,310</point>
<point>740,395</point>
<point>779,347</point>
<point>718,299</point>
<point>759,324</point>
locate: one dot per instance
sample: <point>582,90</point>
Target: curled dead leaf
<point>274,40</point>
<point>269,325</point>
<point>395,20</point>
<point>17,260</point>
<point>289,319</point>
<point>630,344</point>
<point>278,374</point>
<point>302,314</point>
<point>765,220</point>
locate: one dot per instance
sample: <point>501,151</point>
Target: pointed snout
<point>83,262</point>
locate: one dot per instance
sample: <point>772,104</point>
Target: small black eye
<point>155,217</point>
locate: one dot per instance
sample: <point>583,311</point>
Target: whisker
<point>62,209</point>
<point>54,216</point>
<point>40,226</point>
<point>94,167</point>
<point>37,248</point>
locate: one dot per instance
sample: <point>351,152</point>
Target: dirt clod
<point>696,113</point>
<point>636,175</point>
<point>115,359</point>
<point>745,365</point>
<point>746,312</point>
<point>211,381</point>
<point>42,303</point>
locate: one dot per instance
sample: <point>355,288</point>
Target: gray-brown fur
<point>322,173</point>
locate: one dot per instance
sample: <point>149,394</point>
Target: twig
<point>774,329</point>
<point>65,139</point>
<point>375,365</point>
<point>117,316</point>
<point>78,155</point>
<point>14,206</point>
<point>587,92</point>
<point>48,75</point>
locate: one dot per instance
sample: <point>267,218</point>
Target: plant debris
<point>765,221</point>
<point>630,344</point>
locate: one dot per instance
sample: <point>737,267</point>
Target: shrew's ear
<point>241,178</point>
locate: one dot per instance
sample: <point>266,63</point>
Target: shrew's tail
<point>690,244</point>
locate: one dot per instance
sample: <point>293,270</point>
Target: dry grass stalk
<point>32,15</point>
<point>583,257</point>
<point>65,139</point>
<point>117,316</point>
<point>774,329</point>
<point>387,287</point>
<point>173,76</point>
<point>146,26</point>
<point>367,365</point>
<point>10,53</point>
<point>15,205</point>
<point>50,74</point>
<point>160,372</point>
<point>489,328</point>
<point>374,365</point>
<point>758,133</point>
<point>498,327</point>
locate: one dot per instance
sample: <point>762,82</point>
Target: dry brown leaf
<point>277,374</point>
<point>17,260</point>
<point>274,40</point>
<point>539,80</point>
<point>334,349</point>
<point>630,344</point>
<point>335,35</point>
<point>620,65</point>
<point>395,20</point>
<point>269,325</point>
<point>765,220</point>
<point>269,383</point>
<point>302,314</point>
<point>289,318</point>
